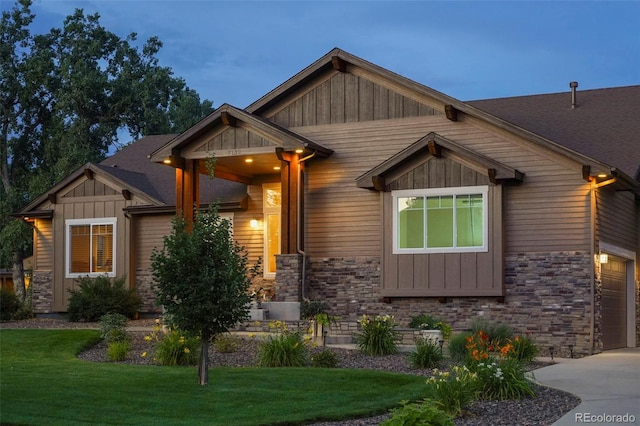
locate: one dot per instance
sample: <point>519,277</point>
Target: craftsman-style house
<point>377,194</point>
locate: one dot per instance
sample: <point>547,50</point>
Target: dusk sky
<point>236,51</point>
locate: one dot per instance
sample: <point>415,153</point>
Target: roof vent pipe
<point>573,86</point>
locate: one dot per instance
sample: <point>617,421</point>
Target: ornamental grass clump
<point>453,390</point>
<point>427,354</point>
<point>378,336</point>
<point>283,348</point>
<point>324,359</point>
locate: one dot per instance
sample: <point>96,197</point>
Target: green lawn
<point>42,382</point>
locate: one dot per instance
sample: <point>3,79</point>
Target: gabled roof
<point>605,124</point>
<point>497,114</point>
<point>228,115</point>
<point>131,169</point>
<point>433,144</point>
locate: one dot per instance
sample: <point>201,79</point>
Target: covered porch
<point>235,145</point>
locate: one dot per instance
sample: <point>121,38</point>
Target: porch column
<point>289,176</point>
<point>188,190</point>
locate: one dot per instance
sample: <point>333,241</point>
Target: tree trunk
<point>203,366</point>
<point>18,276</point>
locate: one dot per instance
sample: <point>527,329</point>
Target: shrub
<point>310,308</point>
<point>378,336</point>
<point>426,354</point>
<point>502,380</point>
<point>118,350</point>
<point>325,359</point>
<point>524,350</point>
<point>284,349</point>
<point>425,413</point>
<point>9,304</point>
<point>457,346</point>
<point>175,348</point>
<point>497,333</point>
<point>453,390</point>
<point>113,327</point>
<point>225,344</point>
<point>98,296</point>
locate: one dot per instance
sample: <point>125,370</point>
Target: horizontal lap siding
<point>342,219</point>
<point>549,211</point>
<point>616,218</point>
<point>150,233</point>
<point>43,245</point>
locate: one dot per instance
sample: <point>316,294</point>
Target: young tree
<point>201,280</point>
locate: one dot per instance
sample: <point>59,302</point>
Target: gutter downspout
<point>592,214</point>
<point>300,222</point>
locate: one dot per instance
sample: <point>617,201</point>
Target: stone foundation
<point>144,290</point>
<point>288,286</point>
<point>42,292</point>
<point>547,295</point>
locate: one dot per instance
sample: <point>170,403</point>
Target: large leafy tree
<point>201,280</point>
<point>65,96</point>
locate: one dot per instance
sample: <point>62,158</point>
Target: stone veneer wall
<point>42,292</point>
<point>144,290</point>
<point>288,285</point>
<point>547,295</point>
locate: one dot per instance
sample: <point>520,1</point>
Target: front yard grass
<point>42,382</point>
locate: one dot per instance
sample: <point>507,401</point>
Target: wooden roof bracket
<point>339,64</point>
<point>586,173</point>
<point>88,173</point>
<point>434,148</point>
<point>228,119</point>
<point>379,183</point>
<point>451,112</point>
<point>126,194</point>
<point>52,197</point>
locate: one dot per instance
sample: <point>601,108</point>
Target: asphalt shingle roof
<point>605,125</point>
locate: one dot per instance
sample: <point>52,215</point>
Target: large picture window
<point>90,247</point>
<point>442,220</point>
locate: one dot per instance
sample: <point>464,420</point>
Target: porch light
<point>253,223</point>
<point>167,161</point>
<point>276,168</point>
<point>248,160</point>
<point>603,257</point>
<point>299,151</point>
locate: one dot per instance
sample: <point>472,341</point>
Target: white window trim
<point>428,192</point>
<point>95,221</point>
<point>267,211</point>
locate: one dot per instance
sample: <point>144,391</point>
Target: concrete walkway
<point>607,383</point>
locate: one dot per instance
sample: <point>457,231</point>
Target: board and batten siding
<point>338,97</point>
<point>443,274</point>
<point>549,211</point>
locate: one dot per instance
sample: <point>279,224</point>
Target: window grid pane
<point>411,222</point>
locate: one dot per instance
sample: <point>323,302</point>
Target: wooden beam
<point>434,148</point>
<point>379,183</point>
<point>228,119</point>
<point>492,175</point>
<point>225,173</point>
<point>451,112</point>
<point>88,173</point>
<point>339,64</point>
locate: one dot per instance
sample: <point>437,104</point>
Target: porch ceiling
<point>246,164</point>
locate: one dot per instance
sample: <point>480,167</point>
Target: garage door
<point>614,304</point>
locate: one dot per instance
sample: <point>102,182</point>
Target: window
<point>272,202</point>
<point>90,247</point>
<point>442,220</point>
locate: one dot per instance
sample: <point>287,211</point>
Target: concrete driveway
<point>607,383</point>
